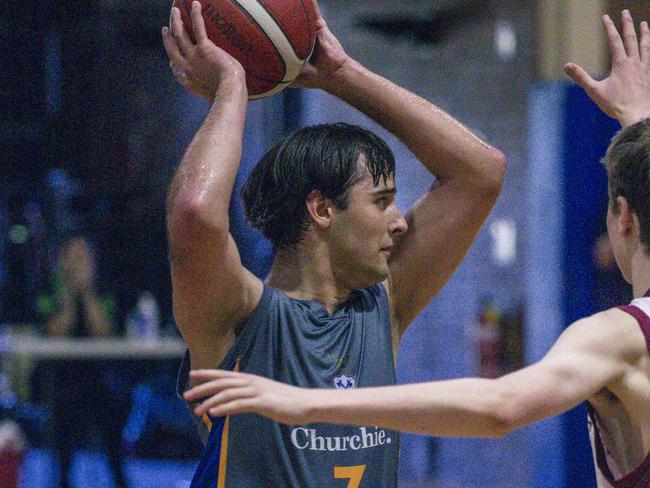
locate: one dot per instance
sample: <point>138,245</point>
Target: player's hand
<point>328,57</point>
<point>625,93</point>
<point>224,392</point>
<point>197,63</point>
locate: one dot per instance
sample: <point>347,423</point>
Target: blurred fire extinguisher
<point>489,340</point>
<point>12,451</point>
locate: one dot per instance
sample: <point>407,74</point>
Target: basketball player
<point>603,359</point>
<point>350,272</point>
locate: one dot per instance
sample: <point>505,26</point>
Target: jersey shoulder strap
<point>640,310</point>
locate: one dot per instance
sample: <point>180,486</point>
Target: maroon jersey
<point>608,472</point>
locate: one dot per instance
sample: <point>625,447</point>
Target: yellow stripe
<point>221,481</point>
<point>207,421</point>
<point>223,457</point>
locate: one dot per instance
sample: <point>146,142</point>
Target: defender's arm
<point>592,354</point>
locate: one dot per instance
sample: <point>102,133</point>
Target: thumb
<point>579,75</point>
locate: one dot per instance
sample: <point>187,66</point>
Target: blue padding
<point>588,133</point>
<point>567,201</point>
<point>544,277</point>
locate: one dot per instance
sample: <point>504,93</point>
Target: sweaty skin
<point>603,358</point>
<point>413,254</point>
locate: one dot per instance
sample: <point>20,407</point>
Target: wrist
<point>316,406</point>
<point>336,83</point>
<point>232,87</point>
<point>631,118</point>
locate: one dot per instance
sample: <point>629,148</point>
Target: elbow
<point>484,179</point>
<point>491,181</point>
<point>192,215</point>
<point>499,426</point>
<point>503,417</point>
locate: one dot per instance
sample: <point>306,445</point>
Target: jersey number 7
<point>354,473</point>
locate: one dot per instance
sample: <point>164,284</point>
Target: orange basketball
<point>272,39</point>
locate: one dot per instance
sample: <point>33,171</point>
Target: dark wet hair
<point>322,157</point>
<point>628,169</point>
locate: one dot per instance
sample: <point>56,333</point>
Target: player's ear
<point>319,209</point>
<point>626,220</point>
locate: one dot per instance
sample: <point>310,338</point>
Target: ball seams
<point>310,29</point>
<point>277,52</point>
<point>281,26</point>
<point>278,59</point>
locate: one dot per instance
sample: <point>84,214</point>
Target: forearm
<point>98,321</point>
<point>447,148</point>
<point>204,180</point>
<point>468,407</point>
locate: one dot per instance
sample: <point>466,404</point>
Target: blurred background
<point>92,125</point>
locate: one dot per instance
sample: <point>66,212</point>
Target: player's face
<point>618,245</point>
<point>363,235</point>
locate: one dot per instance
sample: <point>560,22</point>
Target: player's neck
<point>305,273</point>
<point>640,273</point>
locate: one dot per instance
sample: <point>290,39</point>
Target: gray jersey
<point>300,343</point>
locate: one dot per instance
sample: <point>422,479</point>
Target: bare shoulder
<point>613,333</point>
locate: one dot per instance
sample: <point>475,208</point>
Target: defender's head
<point>628,216</point>
<point>335,180</point>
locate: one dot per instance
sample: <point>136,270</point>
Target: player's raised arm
<point>212,291</point>
<point>469,173</point>
<point>592,354</point>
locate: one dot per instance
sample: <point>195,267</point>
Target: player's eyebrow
<point>384,191</point>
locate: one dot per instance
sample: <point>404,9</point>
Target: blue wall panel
<point>567,195</point>
<point>588,132</point>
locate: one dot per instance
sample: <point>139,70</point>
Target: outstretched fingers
<point>233,400</point>
<point>214,374</point>
<point>218,390</point>
<point>629,35</point>
<point>213,387</point>
<point>645,42</point>
<point>580,76</point>
<point>616,46</point>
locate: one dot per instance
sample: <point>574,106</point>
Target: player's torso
<point>621,433</point>
<point>298,342</point>
<point>623,419</point>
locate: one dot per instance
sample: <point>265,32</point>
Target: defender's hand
<point>226,393</point>
<point>328,57</point>
<point>199,65</point>
<point>625,93</point>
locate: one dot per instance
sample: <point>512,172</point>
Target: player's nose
<point>398,224</point>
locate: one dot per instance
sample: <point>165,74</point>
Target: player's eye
<point>383,202</point>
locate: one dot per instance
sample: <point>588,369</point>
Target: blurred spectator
<point>73,306</point>
<point>83,391</point>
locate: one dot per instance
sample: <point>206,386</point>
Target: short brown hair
<point>321,157</point>
<point>628,169</point>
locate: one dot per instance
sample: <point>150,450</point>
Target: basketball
<point>272,39</point>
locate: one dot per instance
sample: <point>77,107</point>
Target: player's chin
<point>380,272</point>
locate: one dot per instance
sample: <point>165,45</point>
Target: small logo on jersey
<point>343,382</point>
